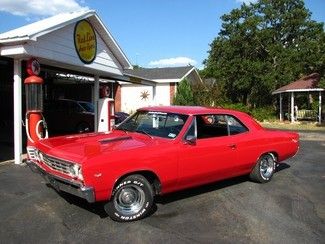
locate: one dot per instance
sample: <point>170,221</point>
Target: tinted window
<point>235,126</point>
<point>217,125</point>
<point>191,130</point>
<point>211,126</point>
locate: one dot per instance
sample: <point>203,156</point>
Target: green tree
<point>184,94</point>
<point>263,46</point>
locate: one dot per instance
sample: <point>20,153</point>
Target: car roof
<point>200,110</point>
<point>190,110</point>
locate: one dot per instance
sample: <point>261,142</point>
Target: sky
<point>152,33</point>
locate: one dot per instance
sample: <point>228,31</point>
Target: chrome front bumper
<point>61,184</point>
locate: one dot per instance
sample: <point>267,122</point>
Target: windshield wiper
<point>125,130</point>
<point>144,132</point>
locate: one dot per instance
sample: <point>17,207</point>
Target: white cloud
<point>172,62</point>
<point>246,1</point>
<point>40,7</point>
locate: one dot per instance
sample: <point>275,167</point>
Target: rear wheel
<point>132,199</point>
<point>264,169</point>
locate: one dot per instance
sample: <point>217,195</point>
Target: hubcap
<point>266,166</point>
<point>129,200</point>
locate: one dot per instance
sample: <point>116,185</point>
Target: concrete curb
<point>7,162</point>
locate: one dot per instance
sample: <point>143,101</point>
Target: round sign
<point>85,41</point>
<point>33,67</point>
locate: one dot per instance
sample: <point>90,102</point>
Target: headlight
<point>75,171</point>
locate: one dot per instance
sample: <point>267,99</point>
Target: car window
<point>211,126</point>
<point>218,125</point>
<point>235,126</point>
<point>167,125</point>
<point>191,132</point>
<point>89,107</point>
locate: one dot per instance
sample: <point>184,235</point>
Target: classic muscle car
<point>160,150</point>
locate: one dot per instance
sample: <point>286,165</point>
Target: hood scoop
<point>122,138</point>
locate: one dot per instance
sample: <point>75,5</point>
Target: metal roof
<point>305,84</point>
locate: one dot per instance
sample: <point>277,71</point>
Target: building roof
<point>39,28</point>
<point>306,83</point>
<point>160,73</point>
<point>34,30</point>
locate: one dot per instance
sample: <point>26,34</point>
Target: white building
<point>70,72</point>
<point>135,95</point>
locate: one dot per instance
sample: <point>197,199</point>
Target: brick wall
<point>172,90</point>
<point>117,97</point>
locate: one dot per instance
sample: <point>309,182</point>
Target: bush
<point>184,94</point>
<point>260,114</point>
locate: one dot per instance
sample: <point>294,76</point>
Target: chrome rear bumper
<point>61,184</point>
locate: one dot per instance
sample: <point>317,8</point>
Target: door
<point>212,156</point>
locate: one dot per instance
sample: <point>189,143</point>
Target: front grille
<point>56,164</point>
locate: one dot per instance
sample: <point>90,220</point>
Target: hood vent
<point>105,141</point>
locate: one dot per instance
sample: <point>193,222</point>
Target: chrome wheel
<point>129,200</point>
<point>266,166</point>
<point>132,199</point>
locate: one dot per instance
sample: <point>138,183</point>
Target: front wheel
<point>131,200</point>
<point>264,169</point>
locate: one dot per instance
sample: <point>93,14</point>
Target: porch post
<point>281,110</point>
<point>320,107</point>
<point>95,101</point>
<point>292,107</point>
<point>18,142</point>
<point>154,90</point>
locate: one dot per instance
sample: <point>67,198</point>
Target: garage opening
<point>7,108</point>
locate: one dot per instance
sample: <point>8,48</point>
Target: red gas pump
<point>106,110</point>
<point>34,103</point>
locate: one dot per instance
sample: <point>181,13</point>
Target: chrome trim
<point>31,152</point>
<point>61,184</point>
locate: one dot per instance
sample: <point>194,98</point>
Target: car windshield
<point>152,123</point>
<point>89,107</point>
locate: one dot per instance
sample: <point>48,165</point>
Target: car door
<point>208,153</point>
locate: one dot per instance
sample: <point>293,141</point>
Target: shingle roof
<point>309,82</point>
<point>160,73</point>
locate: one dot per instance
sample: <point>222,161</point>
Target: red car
<point>160,150</point>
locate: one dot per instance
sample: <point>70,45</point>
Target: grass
<point>297,126</point>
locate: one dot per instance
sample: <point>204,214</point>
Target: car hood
<point>77,148</point>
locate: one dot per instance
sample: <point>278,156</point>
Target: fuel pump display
<point>35,123</point>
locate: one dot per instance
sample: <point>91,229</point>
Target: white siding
<point>163,94</point>
<point>59,46</point>
<point>131,97</point>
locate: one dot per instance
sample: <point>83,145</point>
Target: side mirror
<point>190,140</point>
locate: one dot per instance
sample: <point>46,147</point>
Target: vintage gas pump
<point>106,111</point>
<point>35,123</point>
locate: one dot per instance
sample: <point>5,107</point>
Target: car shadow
<point>187,193</point>
<point>98,207</point>
<point>282,166</point>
